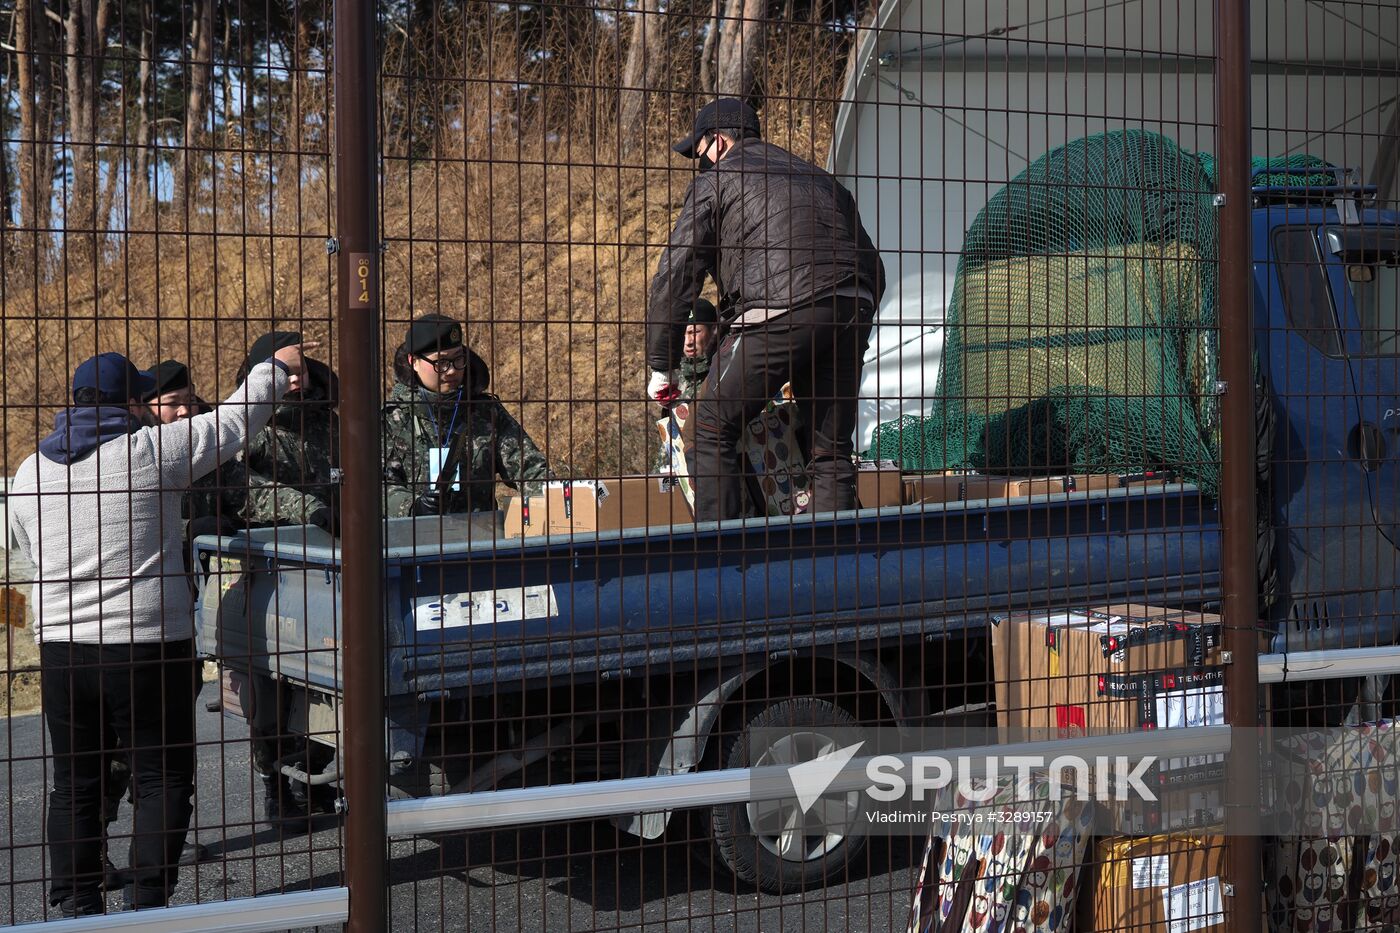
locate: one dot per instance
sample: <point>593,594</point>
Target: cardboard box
<point>879,483</point>
<point>583,506</point>
<point>1171,884</point>
<point>1106,669</point>
<point>1176,809</point>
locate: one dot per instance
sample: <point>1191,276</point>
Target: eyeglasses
<point>444,366</point>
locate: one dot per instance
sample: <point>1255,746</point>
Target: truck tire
<point>786,862</point>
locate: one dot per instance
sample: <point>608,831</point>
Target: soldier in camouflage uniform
<point>439,400</point>
<point>289,463</point>
<point>699,349</point>
<point>288,468</point>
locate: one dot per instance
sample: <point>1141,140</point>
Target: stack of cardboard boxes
<point>657,501</point>
<point>1116,669</point>
<point>1106,669</point>
<point>581,506</point>
<point>1164,882</point>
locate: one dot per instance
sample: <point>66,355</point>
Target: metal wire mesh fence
<point>738,465</point>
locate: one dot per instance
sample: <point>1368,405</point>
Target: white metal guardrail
<point>489,809</point>
<point>1329,664</point>
<point>264,913</point>
<point>562,802</point>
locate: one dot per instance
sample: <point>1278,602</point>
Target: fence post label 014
<point>363,281</point>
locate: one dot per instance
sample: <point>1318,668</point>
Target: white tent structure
<point>947,100</point>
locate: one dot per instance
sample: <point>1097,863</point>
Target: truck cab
<point>1327,338</point>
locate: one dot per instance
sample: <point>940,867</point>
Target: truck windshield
<point>1372,260</point>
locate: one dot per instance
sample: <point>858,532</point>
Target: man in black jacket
<point>799,281</point>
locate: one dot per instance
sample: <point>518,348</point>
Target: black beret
<point>169,376</point>
<point>432,333</point>
<point>703,312</point>
<point>265,346</point>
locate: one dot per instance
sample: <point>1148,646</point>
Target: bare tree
<point>741,43</point>
<point>641,74</point>
<point>201,77</point>
<point>85,33</point>
<point>707,51</point>
<point>143,193</point>
<point>34,50</point>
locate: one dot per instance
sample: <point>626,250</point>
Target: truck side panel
<point>607,603</point>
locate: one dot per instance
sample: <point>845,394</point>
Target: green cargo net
<point>1081,331</point>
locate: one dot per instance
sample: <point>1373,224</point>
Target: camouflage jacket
<point>693,369</point>
<point>289,462</point>
<point>496,446</point>
<point>215,502</point>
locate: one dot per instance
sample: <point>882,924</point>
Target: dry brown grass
<point>532,226</point>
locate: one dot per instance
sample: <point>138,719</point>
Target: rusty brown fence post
<point>358,310</point>
<point>1237,454</point>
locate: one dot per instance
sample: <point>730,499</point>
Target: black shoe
<point>137,898</point>
<point>193,853</point>
<point>283,809</point>
<point>82,905</point>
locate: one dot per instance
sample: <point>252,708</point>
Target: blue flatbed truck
<point>654,651</point>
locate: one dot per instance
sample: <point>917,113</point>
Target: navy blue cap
<point>727,113</point>
<point>113,375</point>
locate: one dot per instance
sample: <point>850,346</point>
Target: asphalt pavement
<point>576,876</point>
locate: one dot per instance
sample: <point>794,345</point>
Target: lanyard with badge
<point>447,454</point>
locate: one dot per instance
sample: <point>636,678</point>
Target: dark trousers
<point>819,349</point>
<point>142,694</point>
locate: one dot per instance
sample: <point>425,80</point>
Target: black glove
<point>429,503</point>
<point>323,517</point>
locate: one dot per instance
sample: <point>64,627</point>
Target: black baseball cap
<point>727,113</point>
<point>432,333</point>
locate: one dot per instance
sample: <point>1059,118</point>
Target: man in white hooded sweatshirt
<point>97,510</point>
